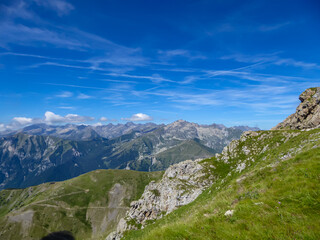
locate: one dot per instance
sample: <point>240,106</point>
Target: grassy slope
<point>277,196</point>
<point>78,205</point>
<point>187,150</point>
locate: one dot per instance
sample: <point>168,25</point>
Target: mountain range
<point>41,153</point>
<point>84,132</point>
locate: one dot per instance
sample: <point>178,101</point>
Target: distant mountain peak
<point>181,121</point>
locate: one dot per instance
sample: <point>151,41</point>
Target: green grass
<point>276,199</point>
<point>68,205</point>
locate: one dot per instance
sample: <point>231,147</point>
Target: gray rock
<point>307,114</point>
<point>181,184</point>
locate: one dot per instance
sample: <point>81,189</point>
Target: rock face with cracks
<point>181,184</point>
<point>307,114</point>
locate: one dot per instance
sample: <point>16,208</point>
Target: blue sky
<point>231,62</point>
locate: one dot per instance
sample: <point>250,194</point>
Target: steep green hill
<point>270,182</point>
<point>89,206</point>
<point>189,149</point>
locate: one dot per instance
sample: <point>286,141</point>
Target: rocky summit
<point>307,114</point>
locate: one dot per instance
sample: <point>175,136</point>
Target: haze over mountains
<point>84,132</point>
<point>41,153</point>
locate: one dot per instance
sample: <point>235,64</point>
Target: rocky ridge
<point>307,114</point>
<point>181,184</point>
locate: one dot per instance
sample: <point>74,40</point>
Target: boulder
<point>307,114</point>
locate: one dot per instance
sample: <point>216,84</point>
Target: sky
<point>107,61</point>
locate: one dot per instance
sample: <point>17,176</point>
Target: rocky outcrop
<point>307,114</point>
<point>181,184</point>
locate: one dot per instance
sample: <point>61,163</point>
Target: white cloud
<point>53,118</point>
<point>65,94</point>
<point>2,127</point>
<point>83,96</point>
<point>50,117</point>
<point>138,117</point>
<point>103,119</point>
<point>22,120</point>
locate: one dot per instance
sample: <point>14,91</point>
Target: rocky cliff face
<point>181,184</point>
<point>307,114</point>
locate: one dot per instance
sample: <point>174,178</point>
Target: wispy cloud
<point>22,8</point>
<point>170,54</point>
<point>39,57</point>
<point>113,91</point>
<point>138,117</point>
<point>156,78</point>
<point>267,28</point>
<point>251,97</point>
<point>38,31</point>
<point>119,81</point>
<point>66,107</point>
<point>83,96</point>
<point>59,6</point>
<point>18,10</point>
<point>65,94</point>
<point>75,86</point>
<point>20,34</point>
<point>272,59</point>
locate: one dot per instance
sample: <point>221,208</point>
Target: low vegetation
<point>275,196</point>
<point>89,206</point>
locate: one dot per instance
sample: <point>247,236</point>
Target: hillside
<point>263,186</point>
<point>269,183</point>
<point>89,206</point>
